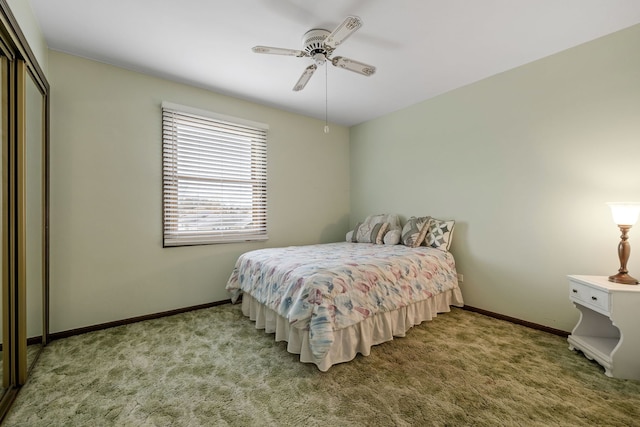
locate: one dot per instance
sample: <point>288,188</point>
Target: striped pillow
<point>415,230</point>
<point>370,232</point>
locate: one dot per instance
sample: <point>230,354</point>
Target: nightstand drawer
<point>589,296</point>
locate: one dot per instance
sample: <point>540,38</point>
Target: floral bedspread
<point>327,287</point>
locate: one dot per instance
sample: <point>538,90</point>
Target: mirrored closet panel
<point>24,196</point>
<point>8,235</point>
<point>34,217</point>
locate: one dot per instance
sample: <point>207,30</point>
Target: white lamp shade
<point>625,213</point>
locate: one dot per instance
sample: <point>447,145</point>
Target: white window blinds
<point>214,177</point>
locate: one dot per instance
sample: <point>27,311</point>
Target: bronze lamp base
<point>623,253</point>
<point>623,278</point>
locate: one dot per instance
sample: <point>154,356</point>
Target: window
<point>214,177</point>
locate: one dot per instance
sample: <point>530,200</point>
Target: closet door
<point>32,230</point>
<point>24,201</point>
<point>35,220</point>
<point>4,227</point>
<point>8,229</point>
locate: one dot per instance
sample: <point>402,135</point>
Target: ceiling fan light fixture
<point>319,58</point>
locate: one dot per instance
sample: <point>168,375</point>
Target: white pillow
<point>393,237</point>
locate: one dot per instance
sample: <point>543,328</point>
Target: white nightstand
<point>609,327</point>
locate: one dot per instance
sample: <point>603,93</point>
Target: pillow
<point>439,234</point>
<point>393,236</point>
<point>354,233</point>
<point>384,230</point>
<point>414,231</point>
<point>370,232</point>
<point>393,231</point>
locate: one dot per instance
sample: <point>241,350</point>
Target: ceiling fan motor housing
<point>313,42</point>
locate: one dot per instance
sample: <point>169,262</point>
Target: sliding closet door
<point>31,245</point>
<point>4,238</point>
<point>24,201</point>
<point>8,231</point>
<point>34,214</point>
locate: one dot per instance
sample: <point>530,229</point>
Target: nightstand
<point>609,327</point>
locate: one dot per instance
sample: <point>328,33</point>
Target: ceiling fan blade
<point>278,51</point>
<point>355,66</point>
<point>344,30</point>
<point>304,78</point>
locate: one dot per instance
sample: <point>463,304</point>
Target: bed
<point>330,302</point>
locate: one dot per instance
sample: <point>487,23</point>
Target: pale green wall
<point>28,23</point>
<point>524,161</point>
<point>107,260</point>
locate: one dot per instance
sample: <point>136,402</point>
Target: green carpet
<point>213,368</point>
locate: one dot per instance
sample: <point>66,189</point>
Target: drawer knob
<point>594,298</point>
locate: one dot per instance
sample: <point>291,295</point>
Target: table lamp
<point>625,214</point>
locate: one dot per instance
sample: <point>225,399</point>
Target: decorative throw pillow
<point>394,233</point>
<point>354,233</point>
<point>370,232</point>
<point>439,234</point>
<point>391,235</point>
<point>349,236</point>
<point>414,231</point>
<point>382,233</point>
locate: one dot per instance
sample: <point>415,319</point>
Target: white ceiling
<point>421,48</point>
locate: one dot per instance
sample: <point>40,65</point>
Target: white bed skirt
<point>356,339</point>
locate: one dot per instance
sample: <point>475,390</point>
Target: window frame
<point>245,143</point>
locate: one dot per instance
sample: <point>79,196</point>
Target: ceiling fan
<point>319,45</point>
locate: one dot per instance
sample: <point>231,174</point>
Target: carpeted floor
<point>213,368</point>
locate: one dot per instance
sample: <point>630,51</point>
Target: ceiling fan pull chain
<point>326,99</point>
